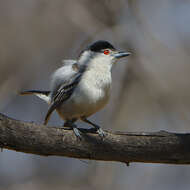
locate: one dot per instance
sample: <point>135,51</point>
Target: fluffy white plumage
<point>81,87</point>
<point>92,92</point>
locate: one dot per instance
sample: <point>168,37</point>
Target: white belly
<point>90,96</point>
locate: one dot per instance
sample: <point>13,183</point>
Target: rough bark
<point>156,147</point>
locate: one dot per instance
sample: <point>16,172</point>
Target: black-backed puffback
<point>81,87</point>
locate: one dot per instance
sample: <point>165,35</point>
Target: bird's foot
<point>101,133</point>
<point>72,126</point>
<point>77,132</point>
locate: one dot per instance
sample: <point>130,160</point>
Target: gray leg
<point>70,123</point>
<point>99,130</point>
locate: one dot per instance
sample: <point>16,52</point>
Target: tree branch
<point>157,147</point>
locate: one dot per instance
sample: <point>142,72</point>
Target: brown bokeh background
<point>150,90</point>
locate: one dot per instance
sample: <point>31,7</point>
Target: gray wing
<point>62,75</point>
<point>64,81</point>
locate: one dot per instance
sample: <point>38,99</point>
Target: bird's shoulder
<point>68,62</point>
<point>67,74</point>
<point>64,73</point>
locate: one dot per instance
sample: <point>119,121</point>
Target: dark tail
<point>30,92</point>
<point>44,95</point>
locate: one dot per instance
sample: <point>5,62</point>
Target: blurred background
<point>150,90</point>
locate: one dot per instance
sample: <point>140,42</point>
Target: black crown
<point>100,45</point>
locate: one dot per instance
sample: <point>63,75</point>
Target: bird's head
<point>102,51</point>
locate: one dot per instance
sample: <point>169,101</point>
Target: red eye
<point>106,52</point>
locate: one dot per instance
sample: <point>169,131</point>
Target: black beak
<point>121,54</point>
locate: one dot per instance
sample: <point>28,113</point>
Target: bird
<point>81,87</point>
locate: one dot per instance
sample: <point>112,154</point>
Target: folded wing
<point>64,82</point>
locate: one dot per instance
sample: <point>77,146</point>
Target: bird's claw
<point>73,127</point>
<point>77,133</point>
<point>101,133</point>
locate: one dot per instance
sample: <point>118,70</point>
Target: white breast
<point>91,94</point>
